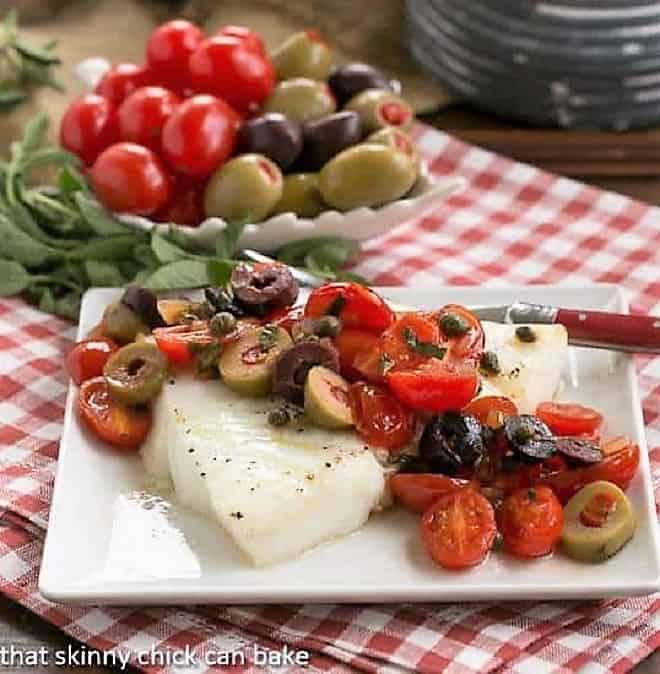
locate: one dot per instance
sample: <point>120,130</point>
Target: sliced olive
<point>264,287</point>
<point>135,373</point>
<point>529,436</point>
<point>301,99</point>
<point>304,54</point>
<point>121,323</point>
<point>247,364</point>
<point>598,521</point>
<point>379,108</point>
<point>144,303</point>
<point>579,449</point>
<point>353,78</point>
<point>301,195</point>
<point>174,310</point>
<point>222,323</point>
<point>294,364</point>
<point>451,441</point>
<point>326,399</point>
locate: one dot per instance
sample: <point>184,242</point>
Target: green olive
<point>379,108</point>
<point>301,195</point>
<point>121,323</point>
<point>396,138</point>
<point>368,174</point>
<point>245,189</point>
<point>135,373</point>
<point>598,522</point>
<point>304,54</point>
<point>301,99</point>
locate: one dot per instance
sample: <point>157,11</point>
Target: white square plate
<point>110,543</point>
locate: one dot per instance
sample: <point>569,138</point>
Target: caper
<point>279,416</point>
<point>453,325</point>
<point>490,363</point>
<point>135,373</point>
<point>121,323</point>
<point>222,323</point>
<point>328,326</point>
<point>525,334</point>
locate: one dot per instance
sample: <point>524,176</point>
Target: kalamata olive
<point>326,137</point>
<point>368,174</point>
<point>579,449</point>
<point>144,303</point>
<point>272,135</point>
<point>379,108</point>
<point>451,441</point>
<point>353,78</point>
<point>245,189</point>
<point>293,365</point>
<point>219,300</point>
<point>529,436</point>
<point>264,287</point>
<point>301,195</point>
<point>304,54</point>
<point>301,99</point>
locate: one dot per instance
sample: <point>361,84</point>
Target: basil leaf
<point>295,253</point>
<point>101,222</point>
<point>68,306</point>
<point>427,349</point>
<point>103,274</point>
<point>14,278</point>
<point>109,248</point>
<point>219,271</point>
<point>166,251</point>
<point>70,181</point>
<point>228,240</point>
<point>145,257</point>
<point>41,56</point>
<point>12,97</point>
<point>19,246</point>
<point>35,133</point>
<point>333,255</point>
<point>49,155</point>
<point>180,274</point>
<point>47,301</point>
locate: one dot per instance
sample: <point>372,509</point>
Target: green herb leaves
<point>267,337</point>
<point>427,349</point>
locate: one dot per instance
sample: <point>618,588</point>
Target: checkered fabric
<point>513,224</point>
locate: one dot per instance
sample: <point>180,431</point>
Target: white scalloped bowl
<point>358,224</point>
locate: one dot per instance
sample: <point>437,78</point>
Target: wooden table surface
<point>25,630</point>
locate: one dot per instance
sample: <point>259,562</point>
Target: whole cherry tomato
<point>228,67</point>
<point>417,492</point>
<point>531,520</point>
<point>122,80</point>
<point>459,529</point>
<point>130,178</point>
<point>144,113</point>
<point>186,204</point>
<point>491,410</point>
<point>120,426</point>
<point>356,305</point>
<point>249,38</point>
<point>168,50</point>
<point>87,359</point>
<point>88,126</point>
<point>380,419</point>
<point>359,353</point>
<point>406,342</point>
<point>569,418</point>
<point>199,135</point>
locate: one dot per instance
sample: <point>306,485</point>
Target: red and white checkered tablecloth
<point>513,224</point>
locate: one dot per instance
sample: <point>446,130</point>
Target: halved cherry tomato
<point>491,410</point>
<point>285,317</point>
<point>356,305</point>
<point>358,354</point>
<point>118,425</point>
<point>174,341</point>
<point>569,418</point>
<point>417,492</point>
<point>87,359</point>
<point>531,520</point>
<point>435,386</point>
<point>459,529</point>
<point>399,339</point>
<point>470,345</point>
<point>380,419</point>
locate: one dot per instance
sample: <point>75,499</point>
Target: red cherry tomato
<point>359,352</point>
<point>130,178</point>
<point>285,317</point>
<point>199,135</point>
<point>569,418</point>
<point>357,306</point>
<point>120,426</point>
<point>380,419</point>
<point>122,80</point>
<point>228,67</point>
<point>174,341</point>
<point>531,520</point>
<point>491,410</point>
<point>470,345</point>
<point>87,359</point>
<point>435,386</point>
<point>417,492</point>
<point>168,51</point>
<point>144,113</point>
<point>249,38</point>
<point>459,529</point>
<point>397,342</point>
<point>186,205</point>
<point>88,126</point>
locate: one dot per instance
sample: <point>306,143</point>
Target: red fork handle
<point>623,332</point>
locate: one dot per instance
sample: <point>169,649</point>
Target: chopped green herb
<point>335,307</point>
<point>385,364</point>
<point>267,337</point>
<point>452,325</point>
<point>427,349</point>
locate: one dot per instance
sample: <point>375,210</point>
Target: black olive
<point>145,304</point>
<point>220,300</point>
<point>352,78</point>
<point>263,288</point>
<point>293,365</point>
<point>579,449</point>
<point>529,436</point>
<point>452,441</point>
<point>273,135</point>
<point>408,463</point>
<point>328,136</point>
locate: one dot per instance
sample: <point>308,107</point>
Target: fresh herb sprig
<point>23,65</point>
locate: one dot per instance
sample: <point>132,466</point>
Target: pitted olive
<point>379,108</point>
<point>301,195</point>
<point>263,287</point>
<point>135,373</point>
<point>304,54</point>
<point>245,189</point>
<point>121,323</point>
<point>272,135</point>
<point>326,137</point>
<point>369,174</point>
<point>353,78</point>
<point>144,303</point>
<point>397,139</point>
<point>301,99</point>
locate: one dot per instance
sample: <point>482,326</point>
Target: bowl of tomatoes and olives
<point>480,475</point>
<point>215,130</point>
